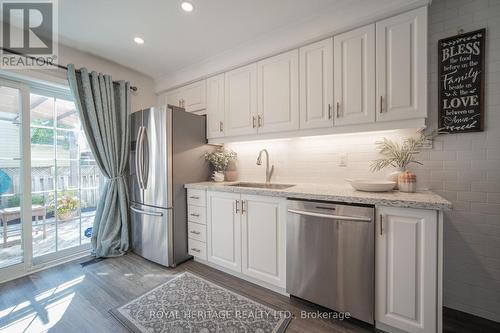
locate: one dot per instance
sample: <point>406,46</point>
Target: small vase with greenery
<point>219,160</point>
<point>400,155</point>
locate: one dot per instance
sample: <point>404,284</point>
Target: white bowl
<point>368,185</point>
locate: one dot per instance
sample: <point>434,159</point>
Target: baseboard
<point>279,290</point>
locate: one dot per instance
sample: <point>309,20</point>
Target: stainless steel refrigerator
<point>166,151</point>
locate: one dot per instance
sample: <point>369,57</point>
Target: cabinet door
<point>316,85</point>
<point>354,73</point>
<point>224,230</point>
<point>215,106</point>
<point>174,98</point>
<point>194,96</point>
<point>263,238</point>
<point>278,93</point>
<point>406,269</point>
<point>241,101</point>
<point>402,66</point>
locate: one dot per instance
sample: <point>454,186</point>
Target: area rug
<point>189,303</point>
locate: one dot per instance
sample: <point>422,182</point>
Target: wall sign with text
<point>461,82</point>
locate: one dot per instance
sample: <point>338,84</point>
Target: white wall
<point>463,168</point>
<point>141,99</point>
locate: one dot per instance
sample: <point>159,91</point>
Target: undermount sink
<point>262,185</point>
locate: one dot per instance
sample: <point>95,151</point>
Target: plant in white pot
<point>219,160</point>
<point>400,155</point>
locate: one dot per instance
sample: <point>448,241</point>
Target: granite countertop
<point>339,193</point>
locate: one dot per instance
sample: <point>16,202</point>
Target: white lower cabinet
<point>246,234</point>
<point>407,270</point>
<point>263,242</point>
<point>224,230</point>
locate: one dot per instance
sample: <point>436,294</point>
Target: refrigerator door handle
<point>145,159</point>
<point>146,212</point>
<point>138,153</point>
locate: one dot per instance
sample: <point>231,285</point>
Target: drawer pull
<point>195,250</point>
<point>195,232</point>
<point>196,215</point>
<point>194,197</point>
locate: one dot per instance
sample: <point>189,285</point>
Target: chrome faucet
<point>269,173</point>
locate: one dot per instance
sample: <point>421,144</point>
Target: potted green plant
<point>219,160</point>
<point>400,155</point>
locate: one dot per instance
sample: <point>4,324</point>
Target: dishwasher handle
<point>329,216</point>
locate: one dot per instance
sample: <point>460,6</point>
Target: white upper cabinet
<point>278,93</point>
<point>191,97</point>
<point>224,229</point>
<point>354,68</point>
<point>241,101</point>
<point>406,269</point>
<point>263,238</point>
<point>215,106</point>
<point>401,54</point>
<point>316,85</point>
<point>194,96</point>
<point>174,98</point>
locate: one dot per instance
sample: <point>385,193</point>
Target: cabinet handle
<point>237,210</point>
<point>260,121</point>
<point>221,126</point>
<point>381,225</point>
<point>243,210</point>
<point>253,122</point>
<point>338,110</point>
<point>381,105</point>
<point>195,232</point>
<point>195,215</point>
<point>194,197</point>
<point>195,250</point>
<point>329,111</point>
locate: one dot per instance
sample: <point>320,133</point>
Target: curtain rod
<point>133,88</point>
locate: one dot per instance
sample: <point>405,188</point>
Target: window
<point>61,173</point>
<point>60,152</point>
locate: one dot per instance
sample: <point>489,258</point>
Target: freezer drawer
<point>150,233</point>
<point>330,256</point>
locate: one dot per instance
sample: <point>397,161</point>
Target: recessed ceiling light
<point>187,6</point>
<point>139,40</point>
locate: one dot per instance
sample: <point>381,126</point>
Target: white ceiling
<point>175,39</point>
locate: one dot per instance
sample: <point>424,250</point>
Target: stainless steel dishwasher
<point>330,256</point>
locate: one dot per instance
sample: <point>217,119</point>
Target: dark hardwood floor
<point>72,298</point>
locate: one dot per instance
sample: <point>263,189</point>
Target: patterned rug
<point>189,303</point>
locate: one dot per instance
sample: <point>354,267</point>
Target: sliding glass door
<point>64,177</point>
<point>49,181</point>
<point>11,171</point>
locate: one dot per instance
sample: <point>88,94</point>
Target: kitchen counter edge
<point>338,193</point>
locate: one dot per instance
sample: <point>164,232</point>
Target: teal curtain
<point>104,107</point>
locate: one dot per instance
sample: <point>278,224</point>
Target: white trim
<point>242,276</point>
<point>37,268</point>
<point>54,256</point>
<point>37,79</point>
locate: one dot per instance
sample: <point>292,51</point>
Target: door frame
<point>21,268</point>
<point>29,264</point>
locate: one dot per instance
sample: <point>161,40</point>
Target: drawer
<point>197,231</point>
<point>197,249</point>
<point>197,214</point>
<point>196,197</point>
